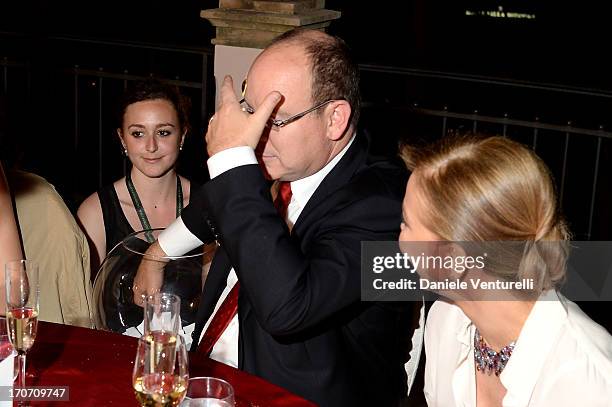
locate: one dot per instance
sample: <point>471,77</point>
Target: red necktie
<point>229,307</point>
<point>220,320</point>
<point>283,197</point>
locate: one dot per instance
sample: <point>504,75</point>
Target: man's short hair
<point>334,72</point>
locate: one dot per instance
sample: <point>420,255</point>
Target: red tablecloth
<point>97,367</point>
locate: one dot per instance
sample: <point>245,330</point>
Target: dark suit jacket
<point>302,324</point>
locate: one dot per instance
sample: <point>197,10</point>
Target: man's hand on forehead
<point>231,127</point>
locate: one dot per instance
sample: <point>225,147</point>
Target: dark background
<point>554,68</point>
<point>565,43</point>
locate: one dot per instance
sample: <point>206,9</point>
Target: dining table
<point>95,367</point>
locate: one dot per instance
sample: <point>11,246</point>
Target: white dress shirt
<point>561,358</point>
<point>177,239</point>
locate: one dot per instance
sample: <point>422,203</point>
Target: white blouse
<point>561,358</point>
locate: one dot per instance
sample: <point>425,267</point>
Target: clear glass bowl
<point>113,296</point>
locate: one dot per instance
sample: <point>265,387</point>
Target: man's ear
<point>338,119</point>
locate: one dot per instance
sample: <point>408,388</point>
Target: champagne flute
<point>162,317</point>
<point>22,291</point>
<point>160,373</point>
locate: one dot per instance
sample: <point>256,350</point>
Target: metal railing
<point>447,102</point>
<point>84,78</point>
<point>401,112</point>
<point>535,126</point>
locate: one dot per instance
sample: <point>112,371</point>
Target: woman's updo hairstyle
<point>493,189</point>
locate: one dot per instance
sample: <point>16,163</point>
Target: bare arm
<point>10,247</point>
<point>91,220</point>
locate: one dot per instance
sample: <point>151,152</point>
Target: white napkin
<point>7,370</point>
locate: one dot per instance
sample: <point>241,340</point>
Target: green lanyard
<point>144,221</point>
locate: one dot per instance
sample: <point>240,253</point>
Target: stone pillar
<point>245,27</point>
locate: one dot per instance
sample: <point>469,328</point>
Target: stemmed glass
<point>22,291</point>
<point>162,317</point>
<point>161,372</point>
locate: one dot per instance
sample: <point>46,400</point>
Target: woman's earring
<point>181,147</point>
<point>125,151</point>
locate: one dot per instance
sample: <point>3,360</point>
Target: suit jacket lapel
<point>353,160</point>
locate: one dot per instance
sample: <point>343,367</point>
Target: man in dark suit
<point>300,319</point>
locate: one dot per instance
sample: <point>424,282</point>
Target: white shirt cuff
<point>177,240</point>
<point>231,158</point>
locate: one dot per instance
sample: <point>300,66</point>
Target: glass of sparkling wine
<point>161,372</point>
<point>209,392</point>
<point>162,317</point>
<point>22,291</point>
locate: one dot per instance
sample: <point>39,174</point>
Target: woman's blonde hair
<point>484,189</point>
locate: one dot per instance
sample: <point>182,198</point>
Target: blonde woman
<point>535,348</point>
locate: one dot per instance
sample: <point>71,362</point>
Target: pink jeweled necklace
<point>487,360</point>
